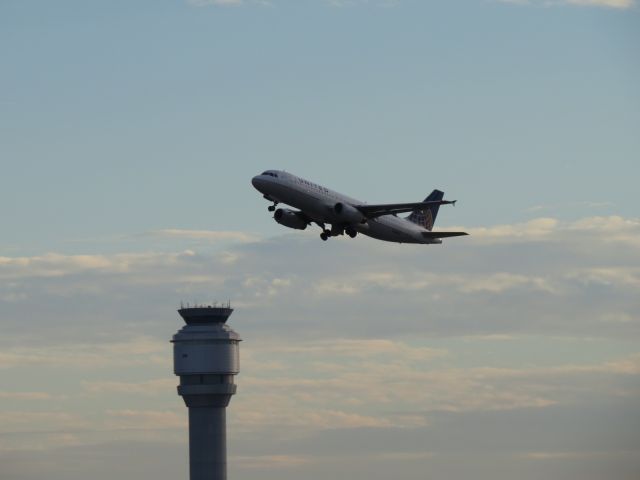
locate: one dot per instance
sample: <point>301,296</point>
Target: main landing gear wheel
<point>271,208</point>
<point>352,232</point>
<point>324,236</point>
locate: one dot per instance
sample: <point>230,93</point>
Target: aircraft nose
<point>257,182</point>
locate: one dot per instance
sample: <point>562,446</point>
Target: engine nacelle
<point>290,219</point>
<point>348,214</point>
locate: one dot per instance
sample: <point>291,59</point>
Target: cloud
<point>145,419</point>
<point>147,387</point>
<point>608,228</point>
<point>345,340</point>
<point>626,277</point>
<point>228,3</point>
<point>58,265</point>
<point>602,3</point>
<point>332,3</point>
<point>25,421</point>
<point>537,229</point>
<point>616,4</point>
<point>384,384</point>
<point>353,3</point>
<point>360,348</point>
<point>549,271</point>
<point>25,395</point>
<point>137,351</point>
<point>581,456</point>
<point>419,281</point>
<point>261,462</point>
<point>210,235</point>
<point>223,3</point>
<point>581,204</point>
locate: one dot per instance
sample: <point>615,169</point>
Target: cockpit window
<point>271,174</point>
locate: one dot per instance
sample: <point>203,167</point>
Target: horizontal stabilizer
<point>443,234</point>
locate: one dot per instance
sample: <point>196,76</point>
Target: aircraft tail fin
<point>426,217</point>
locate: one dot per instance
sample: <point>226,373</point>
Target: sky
<point>129,132</point>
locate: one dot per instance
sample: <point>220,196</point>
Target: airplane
<point>322,206</point>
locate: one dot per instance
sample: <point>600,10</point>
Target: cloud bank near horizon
<point>350,346</point>
<point>563,277</point>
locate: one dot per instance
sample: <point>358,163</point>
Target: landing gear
<point>336,230</point>
<point>325,233</point>
<point>271,208</point>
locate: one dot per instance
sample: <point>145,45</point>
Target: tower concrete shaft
<point>206,357</point>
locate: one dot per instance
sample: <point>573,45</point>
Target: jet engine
<point>348,214</point>
<point>290,219</point>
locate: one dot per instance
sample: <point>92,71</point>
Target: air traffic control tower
<point>206,357</point>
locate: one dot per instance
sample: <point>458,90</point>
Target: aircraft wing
<point>443,234</point>
<point>373,211</point>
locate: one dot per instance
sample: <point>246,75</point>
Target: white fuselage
<point>317,202</point>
